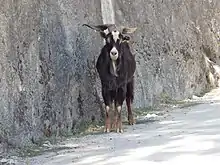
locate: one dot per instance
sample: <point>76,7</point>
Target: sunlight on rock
<point>170,122</point>
<point>139,162</point>
<point>191,159</point>
<point>148,117</point>
<point>178,160</point>
<point>69,145</point>
<point>144,151</point>
<point>190,143</point>
<point>213,120</point>
<point>92,159</point>
<point>215,104</point>
<point>151,115</point>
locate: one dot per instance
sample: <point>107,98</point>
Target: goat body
<point>117,88</point>
<point>116,66</point>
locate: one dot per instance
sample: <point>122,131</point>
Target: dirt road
<point>187,135</point>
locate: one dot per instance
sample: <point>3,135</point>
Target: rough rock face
<point>48,82</point>
<point>172,44</point>
<point>47,76</point>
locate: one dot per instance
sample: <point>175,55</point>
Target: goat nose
<point>113,53</point>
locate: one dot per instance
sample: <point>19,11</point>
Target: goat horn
<point>99,28</point>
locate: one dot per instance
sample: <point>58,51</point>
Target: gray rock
<point>47,76</point>
<point>7,162</point>
<point>171,44</point>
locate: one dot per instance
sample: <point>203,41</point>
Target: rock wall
<point>173,42</point>
<point>48,83</point>
<point>47,76</point>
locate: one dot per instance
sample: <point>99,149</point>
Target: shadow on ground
<point>188,134</point>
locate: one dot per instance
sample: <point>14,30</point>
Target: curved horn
<point>100,28</point>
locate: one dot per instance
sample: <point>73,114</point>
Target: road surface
<point>187,135</point>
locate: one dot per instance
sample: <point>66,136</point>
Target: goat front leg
<point>119,120</point>
<point>107,119</point>
<point>114,124</point>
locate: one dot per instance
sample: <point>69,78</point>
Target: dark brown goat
<point>116,66</point>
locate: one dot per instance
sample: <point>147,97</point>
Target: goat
<point>116,67</point>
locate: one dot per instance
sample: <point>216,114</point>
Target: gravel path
<point>187,135</point>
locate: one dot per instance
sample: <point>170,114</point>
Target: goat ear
<point>126,38</point>
<point>128,30</point>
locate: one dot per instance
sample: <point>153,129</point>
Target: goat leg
<point>119,121</point>
<point>114,125</point>
<point>107,120</point>
<point>130,114</point>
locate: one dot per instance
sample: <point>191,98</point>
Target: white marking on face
<point>114,54</point>
<point>106,31</point>
<point>115,35</point>
<point>114,67</point>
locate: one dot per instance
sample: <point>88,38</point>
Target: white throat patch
<point>114,68</point>
<point>115,35</point>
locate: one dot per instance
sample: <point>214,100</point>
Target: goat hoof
<point>107,130</point>
<point>131,122</point>
<point>118,130</point>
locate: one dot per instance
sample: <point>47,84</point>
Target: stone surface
<point>172,41</point>
<point>47,76</point>
<point>48,84</point>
